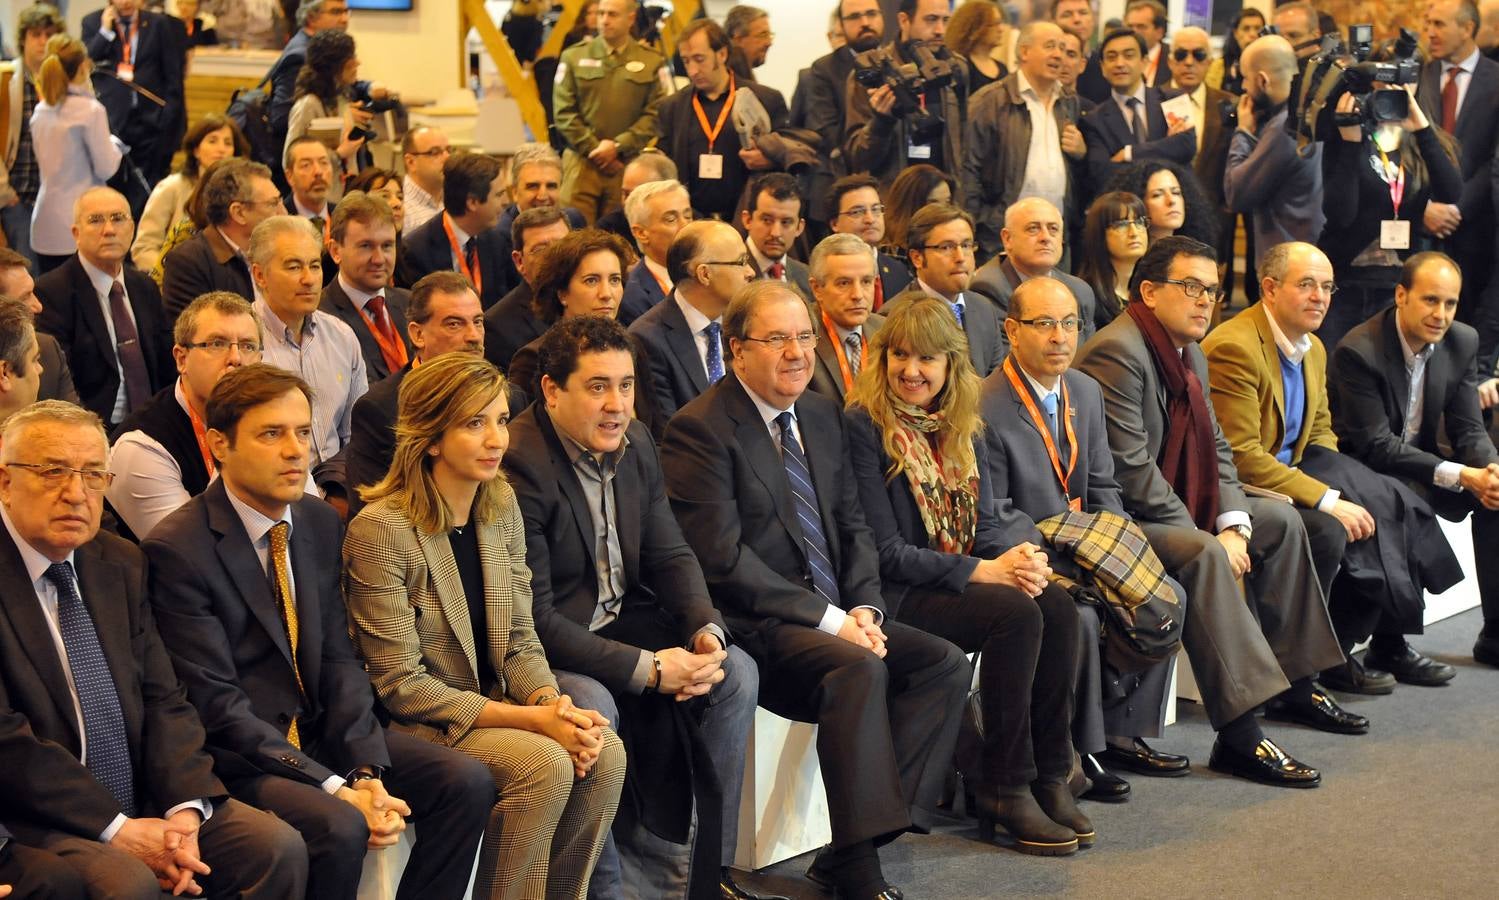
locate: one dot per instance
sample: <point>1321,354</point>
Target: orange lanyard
<point>1074,503</point>
<point>135,30</point>
<point>723,115</point>
<point>395,355</point>
<point>201,433</point>
<point>475,276</point>
<point>843,367</point>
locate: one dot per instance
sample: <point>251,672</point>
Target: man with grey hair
<point>843,272</point>
<point>286,260</point>
<point>20,357</point>
<point>312,16</point>
<point>657,211</point>
<point>748,28</point>
<point>650,165</point>
<point>683,335</point>
<point>535,180</point>
<point>238,195</point>
<point>1299,24</point>
<point>1033,238</point>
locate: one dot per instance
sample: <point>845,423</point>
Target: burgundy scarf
<point>1189,455</point>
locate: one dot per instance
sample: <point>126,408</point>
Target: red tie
<point>776,271</point>
<point>879,293</point>
<point>376,306</point>
<point>1449,100</point>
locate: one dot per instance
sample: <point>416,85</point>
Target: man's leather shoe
<point>1145,760</point>
<point>888,892</point>
<point>817,873</point>
<point>728,890</point>
<point>1486,650</point>
<point>1107,786</point>
<point>1323,714</point>
<point>1353,677</point>
<point>1269,765</point>
<point>1412,667</point>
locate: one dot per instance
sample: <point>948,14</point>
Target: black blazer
<point>1106,132</point>
<point>676,124</point>
<point>1368,390</point>
<point>510,325</point>
<point>906,559</point>
<point>223,627</point>
<point>642,291</point>
<point>895,274</point>
<point>729,490</point>
<point>160,60</point>
<point>986,338</point>
<point>659,566</point>
<point>677,372</point>
<point>525,375</point>
<point>57,379</point>
<point>427,249</point>
<point>45,787</point>
<point>336,302</point>
<point>827,375</point>
<point>203,263</point>
<point>72,313</point>
<point>1476,130</point>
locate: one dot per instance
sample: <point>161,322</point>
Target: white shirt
<point>417,206</point>
<point>1295,352</point>
<point>1045,167</point>
<point>1448,474</point>
<point>102,282</point>
<point>46,594</point>
<point>697,323</point>
<point>1463,81</point>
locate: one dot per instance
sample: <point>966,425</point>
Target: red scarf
<point>1189,454</point>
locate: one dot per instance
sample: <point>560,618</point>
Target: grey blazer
<point>997,280</point>
<point>1135,407</point>
<point>827,378</point>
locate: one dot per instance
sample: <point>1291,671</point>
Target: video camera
<point>648,18</point>
<point>1337,70</point>
<point>930,68</point>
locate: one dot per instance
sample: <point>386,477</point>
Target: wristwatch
<point>1242,531</point>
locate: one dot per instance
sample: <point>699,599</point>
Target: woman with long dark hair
<point>1175,202</point>
<point>1225,74</point>
<point>213,138</point>
<point>1115,236</point>
<point>322,91</point>
<point>915,187</point>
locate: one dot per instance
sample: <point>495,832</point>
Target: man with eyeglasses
<point>1268,378</point>
<point>1179,483</point>
<point>1407,389</point>
<point>1130,123</point>
<point>423,150</point>
<point>238,196</point>
<point>1022,138</point>
<point>862,26</point>
<point>657,212</point>
<point>1033,239</point>
<point>858,209</point>
<point>362,243</point>
<point>105,315</point>
<point>941,251</point>
<point>757,451</point>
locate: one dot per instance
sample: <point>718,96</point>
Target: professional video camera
<point>930,68</point>
<point>359,92</point>
<point>648,18</point>
<point>1337,70</point>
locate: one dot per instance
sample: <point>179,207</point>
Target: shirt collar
<point>36,564</point>
<point>256,523</point>
<point>282,331</point>
<point>360,298</point>
<point>843,333</point>
<point>99,278</point>
<point>306,213</point>
<point>696,321</point>
<point>458,233</point>
<point>1412,356</point>
<point>1467,65</point>
<point>768,413</point>
<point>764,261</point>
<point>1123,99</point>
<point>1041,390</point>
<point>1027,88</point>
<point>576,451</point>
<point>1293,352</point>
<point>932,292</point>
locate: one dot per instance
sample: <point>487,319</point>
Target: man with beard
<point>863,27</point>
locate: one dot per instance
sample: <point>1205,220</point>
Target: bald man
<point>1034,239</point>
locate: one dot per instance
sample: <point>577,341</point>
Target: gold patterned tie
<point>282,564</point>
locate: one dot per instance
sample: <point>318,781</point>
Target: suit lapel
<point>567,481</point>
<point>627,503</point>
<point>240,560</point>
<point>497,610</point>
<point>1270,355</point>
<point>1394,361</point>
<point>442,569</point>
<point>683,344</point>
<point>764,459</point>
<point>24,610</point>
<point>827,357</point>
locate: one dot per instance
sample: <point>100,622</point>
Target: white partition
<point>783,809</point>
<point>382,869</point>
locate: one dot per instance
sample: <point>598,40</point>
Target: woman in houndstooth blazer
<point>439,599</point>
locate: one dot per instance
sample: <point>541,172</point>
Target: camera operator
<point>329,85</point>
<point>1298,23</point>
<point>886,132</point>
<point>863,28</point>
<point>1377,181</point>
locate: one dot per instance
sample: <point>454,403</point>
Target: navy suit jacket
<point>336,302</point>
<point>677,372</point>
<point>827,375</point>
<point>1476,130</point>
<point>222,625</point>
<point>510,325</point>
<point>642,291</point>
<point>427,249</point>
<point>1106,132</point>
<point>160,61</point>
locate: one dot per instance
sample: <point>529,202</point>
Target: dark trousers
<point>1029,656</point>
<point>886,728</point>
<point>1455,506</point>
<point>450,795</point>
<point>38,875</point>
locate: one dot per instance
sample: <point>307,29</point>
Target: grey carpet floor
<point>1409,810</point>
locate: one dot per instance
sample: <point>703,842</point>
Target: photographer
<point>328,86</point>
<point>886,131</point>
<point>1377,181</point>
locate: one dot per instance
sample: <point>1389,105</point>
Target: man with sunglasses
<point>1191,54</point>
<point>857,209</point>
<point>1179,483</point>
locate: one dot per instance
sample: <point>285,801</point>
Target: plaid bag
<point>1142,621</point>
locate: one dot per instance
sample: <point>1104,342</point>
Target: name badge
<point>918,151</point>
<point>710,165</point>
<point>588,62</point>
<point>635,65</point>
<point>1075,504</point>
<point>125,71</point>
<point>1395,234</point>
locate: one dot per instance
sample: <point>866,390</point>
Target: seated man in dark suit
<point>772,222</point>
<point>683,335</point>
<point>81,665</point>
<point>1129,124</point>
<point>647,631</point>
<point>29,872</point>
<point>855,207</point>
<point>463,238</point>
<point>56,381</point>
<point>1033,236</point>
<point>941,249</point>
<point>238,196</point>
<point>657,213</point>
<point>758,476</point>
<point>843,285</point>
<point>362,242</point>
<point>510,324</point>
<point>1179,483</point>
<point>106,315</point>
<point>253,618</point>
<point>1401,379</point>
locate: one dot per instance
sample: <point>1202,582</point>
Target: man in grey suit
<point>1033,236</point>
<point>941,244</point>
<point>843,278</point>
<point>1179,482</point>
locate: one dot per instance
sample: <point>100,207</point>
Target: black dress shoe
<point>1353,677</point>
<point>1107,786</point>
<point>1412,667</point>
<point>728,890</point>
<point>1269,765</point>
<point>1145,760</point>
<point>1323,714</point>
<point>1486,650</point>
<point>817,873</point>
<point>888,892</point>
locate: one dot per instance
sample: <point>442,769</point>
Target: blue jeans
<point>16,221</point>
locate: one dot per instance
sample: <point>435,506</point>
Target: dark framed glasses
<point>1180,54</point>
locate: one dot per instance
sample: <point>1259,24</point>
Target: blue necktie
<point>957,310</point>
<point>1050,403</point>
<point>714,331</point>
<point>103,721</point>
<point>800,477</point>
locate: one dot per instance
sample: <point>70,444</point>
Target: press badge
<point>125,71</point>
<point>1395,234</point>
<point>918,151</point>
<point>710,165</point>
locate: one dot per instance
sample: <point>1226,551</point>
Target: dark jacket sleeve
<point>1364,428</point>
<point>667,563</point>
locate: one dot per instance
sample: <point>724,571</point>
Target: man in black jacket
<point>363,246</point>
<point>238,196</point>
<point>139,54</point>
<point>826,90</point>
<point>463,238</point>
<point>511,324</point>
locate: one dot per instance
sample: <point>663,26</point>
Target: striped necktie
<point>824,582</point>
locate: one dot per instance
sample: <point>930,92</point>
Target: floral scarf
<point>946,495</point>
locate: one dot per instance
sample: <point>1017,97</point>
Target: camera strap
<point>723,116</point>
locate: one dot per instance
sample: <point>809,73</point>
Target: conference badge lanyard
<point>200,431</point>
<point>474,275</point>
<point>844,369</point>
<point>394,352</point>
<point>125,69</point>
<point>1064,413</point>
<point>1394,233</point>
<point>710,164</point>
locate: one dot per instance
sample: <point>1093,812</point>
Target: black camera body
<point>1337,70</point>
<point>359,92</point>
<point>929,69</point>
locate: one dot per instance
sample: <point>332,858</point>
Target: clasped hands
<point>168,847</point>
<point>384,814</point>
<point>1482,483</point>
<point>1023,566</point>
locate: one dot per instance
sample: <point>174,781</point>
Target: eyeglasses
<point>741,261</point>
<point>219,347</point>
<point>55,477</point>
<point>433,152</point>
<point>1195,289</point>
<point>1127,224</point>
<point>948,248</point>
<point>777,342</point>
<point>97,220</point>
<point>1308,285</point>
<point>1047,323</point>
<point>1180,54</point>
<point>861,212</point>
